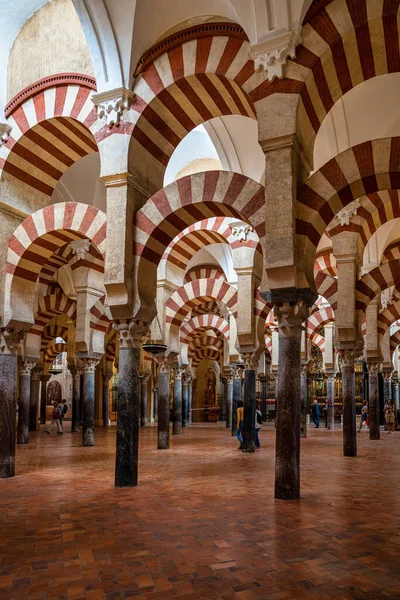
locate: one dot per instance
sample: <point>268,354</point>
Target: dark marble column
<point>185,399</point>
<point>229,398</point>
<point>374,429</point>
<point>250,393</point>
<point>105,412</point>
<point>9,341</point>
<point>35,383</point>
<point>127,452</point>
<point>263,380</point>
<point>155,400</point>
<point>222,399</point>
<point>387,391</point>
<point>44,378</point>
<point>290,316</point>
<point>88,368</point>
<point>24,400</point>
<point>177,403</point>
<point>236,396</point>
<point>330,399</point>
<point>303,400</point>
<point>190,400</point>
<point>143,399</point>
<point>349,403</point>
<point>163,404</point>
<point>76,399</point>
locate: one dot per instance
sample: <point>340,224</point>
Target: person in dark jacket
<point>316,413</point>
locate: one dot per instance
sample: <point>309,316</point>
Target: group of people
<point>240,423</point>
<point>59,412</point>
<point>389,411</point>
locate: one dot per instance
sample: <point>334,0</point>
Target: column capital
<point>290,318</point>
<point>373,368</point>
<point>112,104</point>
<point>88,365</point>
<point>387,375</point>
<point>36,374</point>
<point>178,372</point>
<point>186,378</point>
<point>27,367</point>
<point>131,333</point>
<point>228,373</point>
<point>348,356</point>
<point>271,55</point>
<point>10,340</point>
<point>251,360</point>
<point>165,362</point>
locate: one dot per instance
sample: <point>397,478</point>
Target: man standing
<point>316,413</point>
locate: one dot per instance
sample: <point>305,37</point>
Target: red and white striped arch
<point>376,281</point>
<point>327,287</point>
<point>51,332</point>
<point>53,122</point>
<point>394,341</point>
<point>366,168</point>
<point>189,84</point>
<point>204,353</point>
<point>192,294</point>
<point>98,318</point>
<point>319,318</point>
<point>326,262</point>
<point>204,272</point>
<point>343,44</point>
<point>205,341</point>
<point>392,252</point>
<point>318,341</point>
<point>208,307</point>
<point>52,351</point>
<point>50,307</point>
<point>389,315</point>
<point>203,323</point>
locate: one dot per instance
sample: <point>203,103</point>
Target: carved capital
<point>27,367</point>
<point>164,363</point>
<point>36,374</point>
<point>348,356</point>
<point>178,372</point>
<point>373,369</point>
<point>80,248</point>
<point>112,105</point>
<point>237,372</point>
<point>5,131</point>
<point>88,365</point>
<point>229,373</point>
<point>387,376</point>
<point>240,230</point>
<point>10,340</point>
<point>290,318</point>
<point>251,360</point>
<point>131,333</point>
<point>271,55</point>
<point>344,215</point>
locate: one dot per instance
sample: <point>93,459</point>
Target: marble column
<point>236,396</point>
<point>303,400</point>
<point>88,368</point>
<point>387,386</point>
<point>163,404</point>
<point>396,395</point>
<point>143,399</point>
<point>249,404</point>
<point>177,403</point>
<point>374,428</point>
<point>44,378</point>
<point>24,400</point>
<point>155,396</point>
<point>290,316</point>
<point>222,399</point>
<point>229,398</point>
<point>349,403</point>
<point>105,409</point>
<point>9,342</point>
<point>76,399</point>
<point>35,384</point>
<point>185,399</point>
<point>127,451</point>
<point>263,381</point>
<point>190,400</point>
<point>330,399</point>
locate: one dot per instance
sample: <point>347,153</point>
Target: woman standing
<point>389,415</point>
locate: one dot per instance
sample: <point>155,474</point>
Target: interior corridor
<point>202,523</point>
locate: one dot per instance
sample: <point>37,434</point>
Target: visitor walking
<point>364,417</point>
<point>239,423</point>
<point>257,424</point>
<point>389,416</point>
<point>316,413</point>
<point>64,410</point>
<point>56,420</point>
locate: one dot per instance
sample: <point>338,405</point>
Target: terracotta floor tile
<point>202,524</point>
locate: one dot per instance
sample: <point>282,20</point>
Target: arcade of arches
<point>199,205</point>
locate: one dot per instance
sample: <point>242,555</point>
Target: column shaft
<point>349,410</point>
<point>126,464</point>
<point>249,412</point>
<point>304,403</point>
<point>155,392</point>
<point>190,401</point>
<point>35,382</point>
<point>163,409</point>
<point>229,402</point>
<point>330,388</point>
<point>24,403</point>
<point>177,404</point>
<point>8,384</point>
<point>76,401</point>
<point>185,403</point>
<point>263,381</point>
<point>236,396</point>
<point>222,400</point>
<point>88,404</point>
<point>43,398</point>
<point>143,401</point>
<point>374,429</point>
<point>105,413</point>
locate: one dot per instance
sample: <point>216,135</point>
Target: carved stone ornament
<point>387,376</point>
<point>80,248</point>
<point>271,55</point>
<point>27,367</point>
<point>178,372</point>
<point>290,318</point>
<point>228,373</point>
<point>10,340</point>
<point>237,373</point>
<point>186,378</point>
<point>131,333</point>
<point>347,212</point>
<point>112,105</point>
<point>251,360</point>
<point>88,365</point>
<point>164,363</point>
<point>348,356</point>
<point>5,131</point>
<point>240,230</point>
<point>373,369</point>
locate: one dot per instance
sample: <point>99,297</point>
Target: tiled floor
<point>202,523</point>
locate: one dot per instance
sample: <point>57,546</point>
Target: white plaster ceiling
<point>215,254</point>
<point>368,111</point>
<point>378,242</point>
<point>81,183</point>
